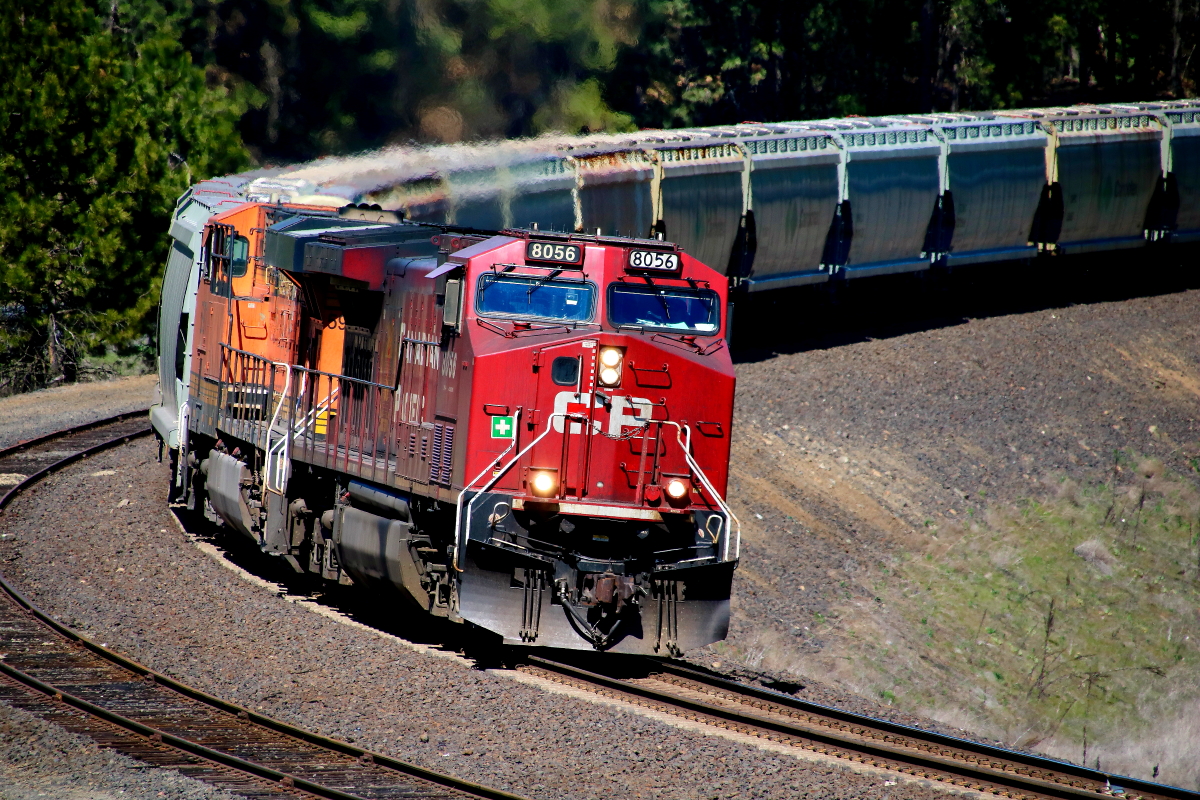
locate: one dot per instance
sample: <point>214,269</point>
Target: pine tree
<point>100,131</point>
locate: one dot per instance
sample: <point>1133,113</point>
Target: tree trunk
<point>1176,48</point>
<point>53,364</point>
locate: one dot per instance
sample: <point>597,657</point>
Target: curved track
<point>25,463</point>
<point>712,699</point>
<point>50,670</point>
<point>60,675</point>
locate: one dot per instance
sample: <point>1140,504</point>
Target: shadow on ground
<point>831,315</point>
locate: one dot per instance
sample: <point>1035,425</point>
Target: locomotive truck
<point>525,431</point>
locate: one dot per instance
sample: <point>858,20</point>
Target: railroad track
<point>62,676</point>
<point>714,700</point>
<point>52,671</point>
<point>25,463</point>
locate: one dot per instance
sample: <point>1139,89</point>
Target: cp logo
<point>627,411</point>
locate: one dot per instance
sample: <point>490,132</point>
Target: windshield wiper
<point>662,298</point>
<point>689,341</point>
<point>660,294</point>
<point>542,281</point>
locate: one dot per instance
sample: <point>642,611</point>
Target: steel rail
<point>423,780</point>
<point>931,738</point>
<point>29,444</point>
<point>898,748</point>
<point>25,444</point>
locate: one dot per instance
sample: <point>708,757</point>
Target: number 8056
<point>550,251</point>
<point>653,259</point>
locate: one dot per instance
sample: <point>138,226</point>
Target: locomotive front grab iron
<point>526,431</point>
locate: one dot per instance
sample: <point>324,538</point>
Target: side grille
<point>442,455</point>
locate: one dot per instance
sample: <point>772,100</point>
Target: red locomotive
<point>526,431</point>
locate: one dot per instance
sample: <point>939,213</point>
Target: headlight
<point>610,365</point>
<point>543,483</point>
<point>676,489</point>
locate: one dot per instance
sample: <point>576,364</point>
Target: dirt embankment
<point>855,464</point>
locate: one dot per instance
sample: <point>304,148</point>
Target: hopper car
<point>366,363</point>
<point>822,201</point>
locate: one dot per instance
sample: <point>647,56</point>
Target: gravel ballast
<point>42,760</point>
<point>124,575</point>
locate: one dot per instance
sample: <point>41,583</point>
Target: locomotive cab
<point>599,438</point>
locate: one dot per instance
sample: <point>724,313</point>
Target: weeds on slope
<point>1069,624</point>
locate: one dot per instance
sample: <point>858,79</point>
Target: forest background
<point>111,108</point>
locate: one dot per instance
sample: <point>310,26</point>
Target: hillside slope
<point>991,522</point>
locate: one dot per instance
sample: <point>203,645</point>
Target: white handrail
<point>458,543</point>
<point>684,445</point>
<point>729,515</point>
<point>182,421</point>
<point>279,469</point>
<point>275,454</point>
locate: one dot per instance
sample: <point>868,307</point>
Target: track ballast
<point>684,691</point>
<point>59,675</point>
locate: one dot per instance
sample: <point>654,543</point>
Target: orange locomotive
<point>525,431</point>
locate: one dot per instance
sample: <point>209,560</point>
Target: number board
<point>554,252</point>
<point>656,260</point>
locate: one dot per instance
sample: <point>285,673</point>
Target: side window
<point>181,345</point>
<point>217,246</point>
<point>565,371</point>
<point>239,256</point>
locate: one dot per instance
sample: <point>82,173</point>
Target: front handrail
<point>496,476</point>
<point>731,520</point>
<point>473,481</point>
<point>280,460</point>
<point>728,512</point>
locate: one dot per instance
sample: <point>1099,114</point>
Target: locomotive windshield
<point>530,297</point>
<point>664,308</point>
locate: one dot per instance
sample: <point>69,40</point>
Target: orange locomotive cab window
<point>239,256</point>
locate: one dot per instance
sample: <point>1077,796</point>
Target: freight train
<point>367,367</point>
